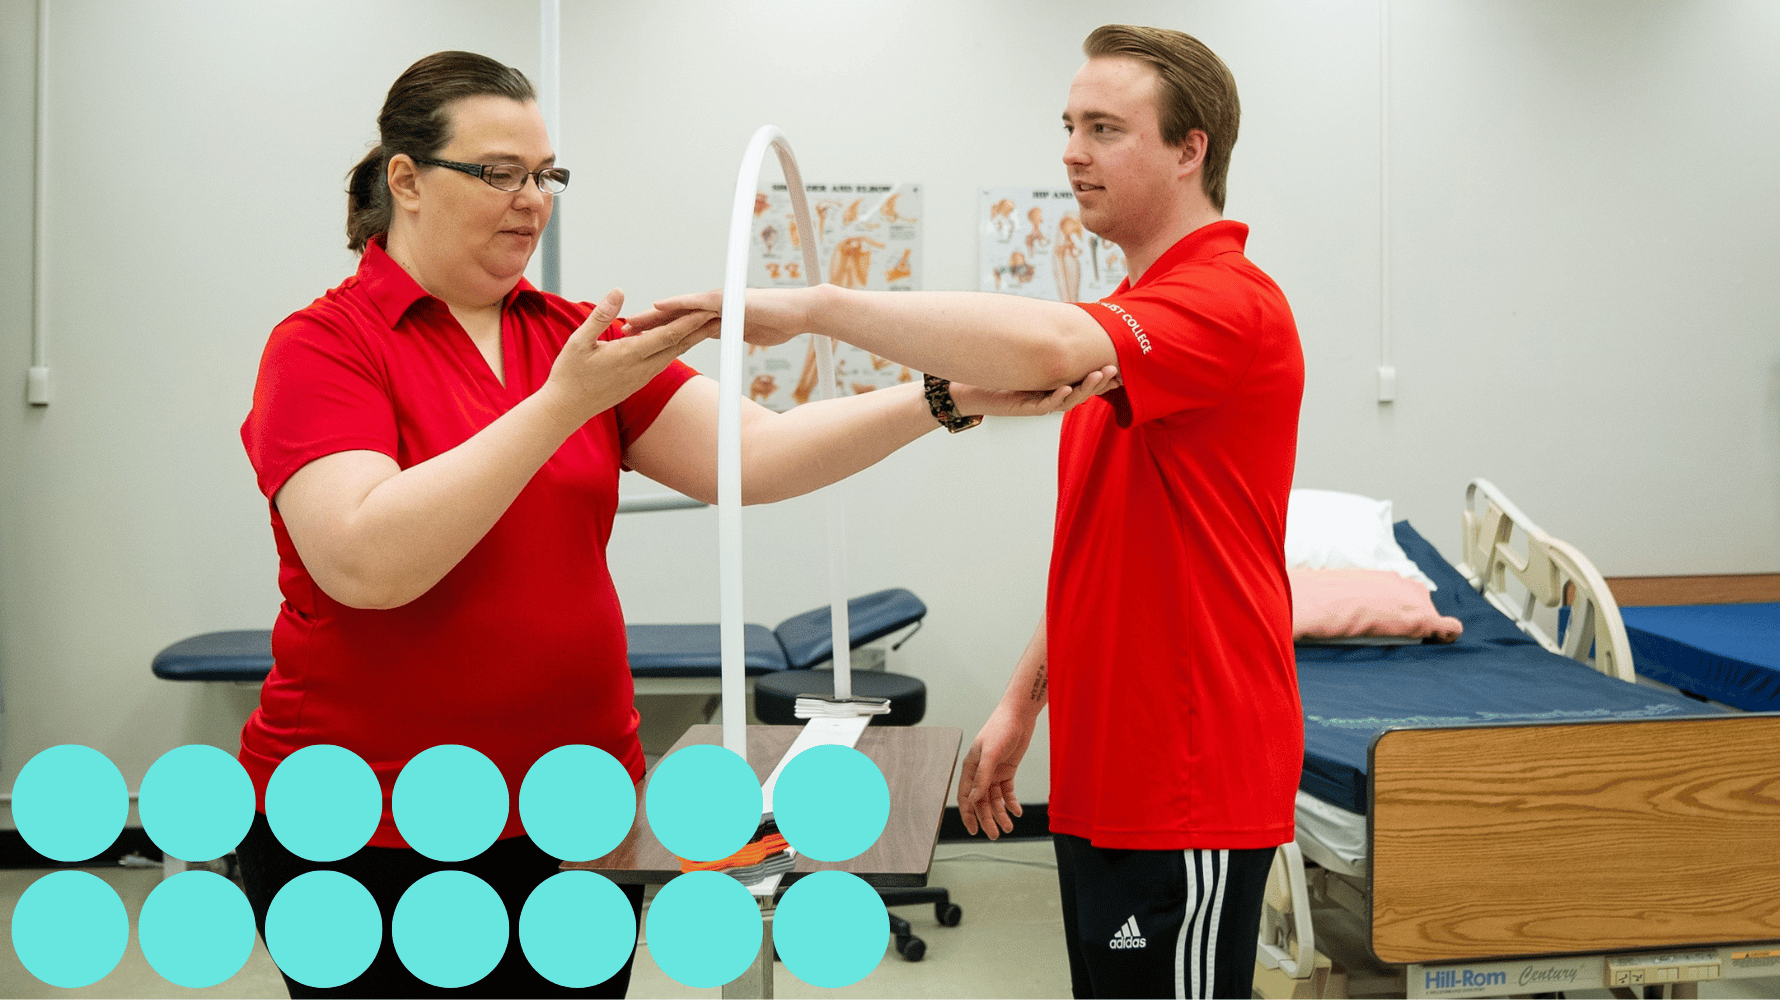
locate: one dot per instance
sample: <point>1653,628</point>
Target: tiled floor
<point>1008,945</point>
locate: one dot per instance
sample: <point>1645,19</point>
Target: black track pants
<point>1161,923</point>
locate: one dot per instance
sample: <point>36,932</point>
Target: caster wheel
<point>948,914</point>
<point>911,948</point>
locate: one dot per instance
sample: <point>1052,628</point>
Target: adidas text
<point>1128,936</point>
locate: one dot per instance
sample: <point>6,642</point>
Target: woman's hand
<point>972,400</point>
<point>774,315</point>
<point>375,535</point>
<point>591,376</point>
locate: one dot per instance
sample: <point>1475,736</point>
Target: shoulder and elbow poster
<point>1030,242</point>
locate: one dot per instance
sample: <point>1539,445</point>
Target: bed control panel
<point>1520,977</point>
<point>1655,970</point>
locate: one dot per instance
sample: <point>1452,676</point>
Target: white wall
<point>1583,304</point>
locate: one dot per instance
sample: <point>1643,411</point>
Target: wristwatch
<point>945,408</point>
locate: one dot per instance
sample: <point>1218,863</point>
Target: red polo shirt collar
<point>1204,243</point>
<point>394,291</point>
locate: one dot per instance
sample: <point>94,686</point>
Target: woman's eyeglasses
<point>508,177</point>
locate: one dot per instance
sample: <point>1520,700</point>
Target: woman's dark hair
<point>415,120</point>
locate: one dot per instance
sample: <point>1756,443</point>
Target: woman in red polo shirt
<point>440,443</point>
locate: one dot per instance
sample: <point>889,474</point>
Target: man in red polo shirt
<point>1165,653</point>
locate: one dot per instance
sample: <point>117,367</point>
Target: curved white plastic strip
<point>729,436</point>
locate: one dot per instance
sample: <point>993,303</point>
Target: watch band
<point>945,408</point>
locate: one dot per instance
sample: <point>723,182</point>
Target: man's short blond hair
<point>1194,90</point>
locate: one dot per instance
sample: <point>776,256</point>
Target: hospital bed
<point>1512,813</point>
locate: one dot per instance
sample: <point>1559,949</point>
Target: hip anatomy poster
<point>1032,243</point>
<point>867,236</point>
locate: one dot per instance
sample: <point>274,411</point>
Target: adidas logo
<point>1128,936</point>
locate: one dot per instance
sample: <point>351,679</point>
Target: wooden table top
<point>917,762</point>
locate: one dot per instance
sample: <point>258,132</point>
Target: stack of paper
<point>813,706</point>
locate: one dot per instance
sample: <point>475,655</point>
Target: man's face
<point>1123,174</point>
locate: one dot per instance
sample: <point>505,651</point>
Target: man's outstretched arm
<point>994,341</point>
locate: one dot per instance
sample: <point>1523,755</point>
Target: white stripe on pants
<point>1194,974</point>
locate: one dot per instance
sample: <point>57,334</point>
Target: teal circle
<point>704,929</point>
<point>450,929</point>
<point>323,802</point>
<point>323,929</point>
<point>196,802</point>
<point>831,802</point>
<point>196,929</point>
<point>69,929</point>
<point>450,802</point>
<point>703,802</point>
<point>70,803</point>
<point>831,929</point>
<point>577,929</point>
<point>577,803</point>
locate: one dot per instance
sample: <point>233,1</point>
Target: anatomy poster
<point>1032,243</point>
<point>867,236</point>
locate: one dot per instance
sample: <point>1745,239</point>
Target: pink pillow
<point>1365,603</point>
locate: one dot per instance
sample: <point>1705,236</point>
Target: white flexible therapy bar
<point>729,438</point>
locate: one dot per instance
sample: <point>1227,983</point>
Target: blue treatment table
<point>687,659</point>
<point>243,656</point>
<point>665,659</point>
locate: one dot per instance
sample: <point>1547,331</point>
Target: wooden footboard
<point>1574,837</point>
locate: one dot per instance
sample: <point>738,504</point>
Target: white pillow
<point>1330,530</point>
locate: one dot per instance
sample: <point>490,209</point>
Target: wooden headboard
<point>1734,588</point>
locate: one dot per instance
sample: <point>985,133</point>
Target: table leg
<point>758,980</point>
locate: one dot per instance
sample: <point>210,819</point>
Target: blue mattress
<point>1492,674</point>
<point>1726,652</point>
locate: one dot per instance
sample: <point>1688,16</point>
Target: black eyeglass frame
<point>559,175</point>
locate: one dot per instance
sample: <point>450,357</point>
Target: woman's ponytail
<point>416,121</point>
<point>367,201</point>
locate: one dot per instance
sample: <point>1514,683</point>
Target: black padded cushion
<point>808,638</point>
<point>695,651</point>
<point>775,697</point>
<point>242,655</point>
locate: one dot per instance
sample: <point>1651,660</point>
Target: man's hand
<point>972,400</point>
<point>986,787</point>
<point>774,315</point>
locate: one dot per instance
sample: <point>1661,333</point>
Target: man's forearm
<point>1028,691</point>
<point>995,341</point>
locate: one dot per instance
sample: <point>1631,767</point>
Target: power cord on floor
<point>979,856</point>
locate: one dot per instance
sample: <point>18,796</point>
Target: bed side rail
<point>1529,575</point>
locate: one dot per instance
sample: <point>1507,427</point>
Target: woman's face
<point>469,235</point>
